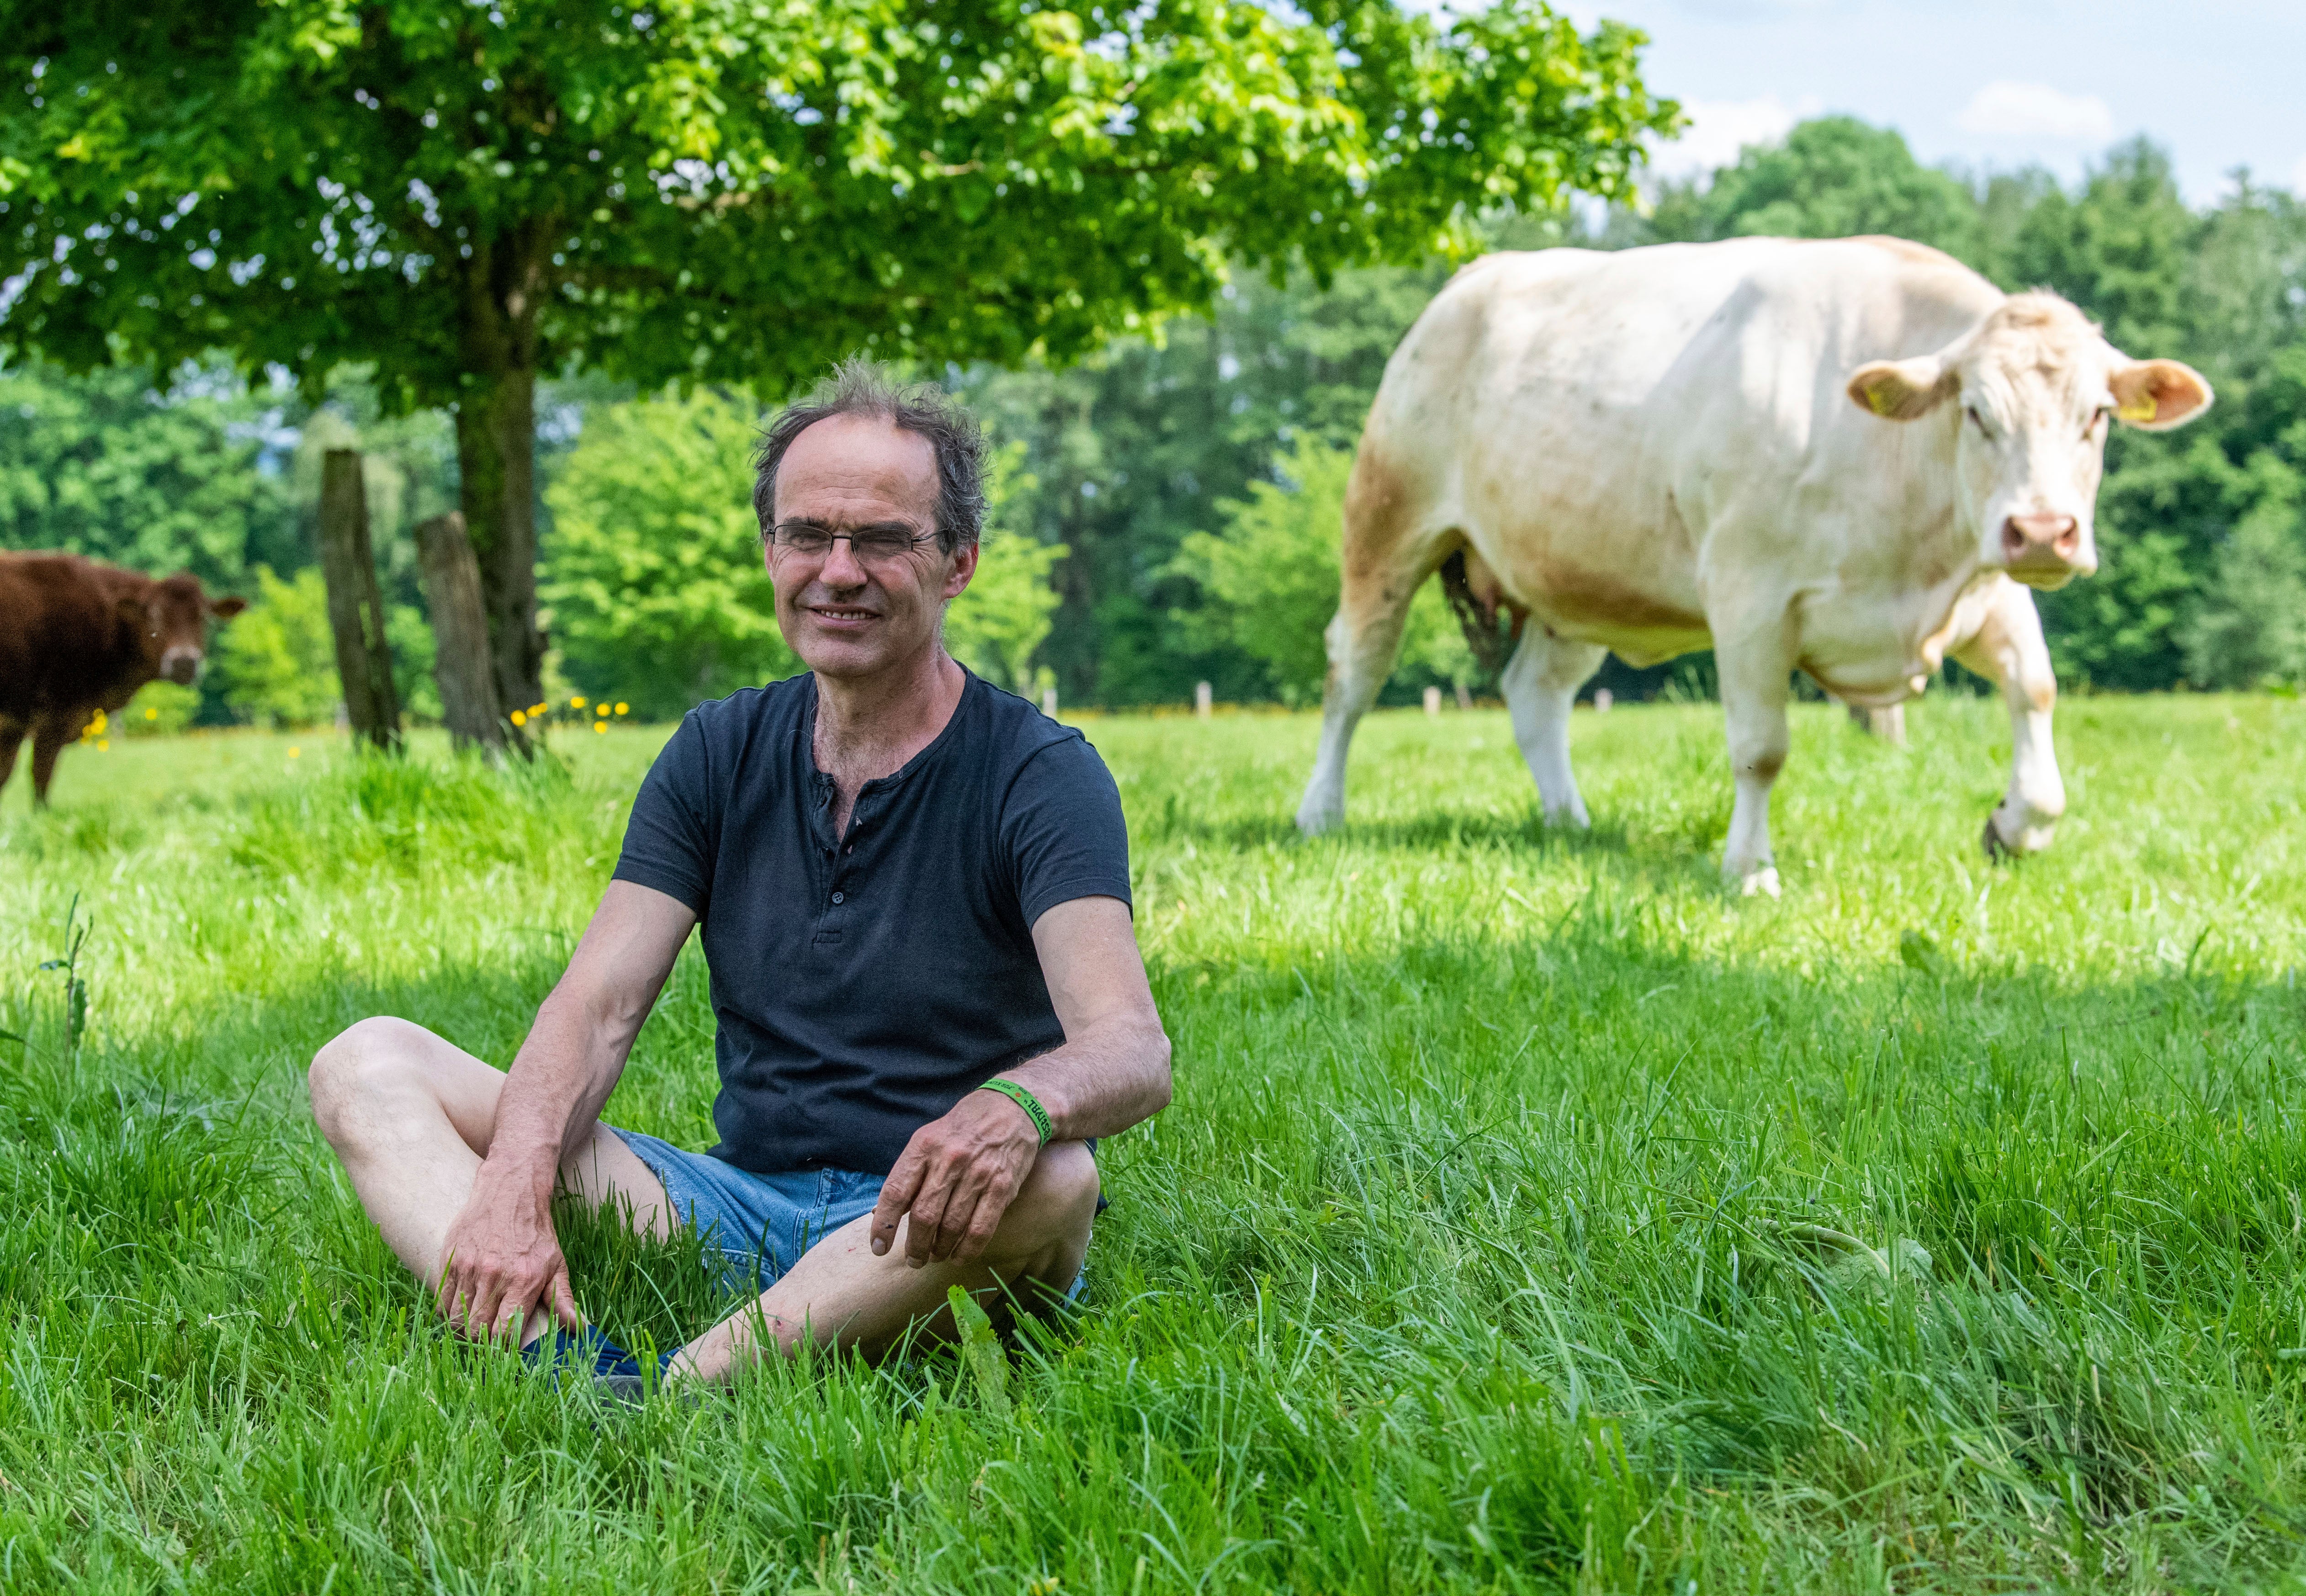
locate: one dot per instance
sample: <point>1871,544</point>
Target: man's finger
<point>928,1215</point>
<point>972,1242</point>
<point>518,1304</point>
<point>481,1307</point>
<point>896,1197</point>
<point>564,1299</point>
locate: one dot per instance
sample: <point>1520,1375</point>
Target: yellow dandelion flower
<point>519,719</point>
<point>152,713</point>
<point>296,753</point>
<point>578,701</point>
<point>601,727</point>
<point>624,708</point>
<point>103,746</point>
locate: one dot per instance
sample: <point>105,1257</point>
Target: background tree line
<point>1166,509</point>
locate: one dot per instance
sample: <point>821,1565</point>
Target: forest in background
<point>1165,510</point>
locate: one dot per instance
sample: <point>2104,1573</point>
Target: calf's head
<point>170,620</point>
<point>2029,392</point>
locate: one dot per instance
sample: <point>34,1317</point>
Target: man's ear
<point>964,568</point>
<point>1898,390</point>
<point>2156,395</point>
<point>226,609</point>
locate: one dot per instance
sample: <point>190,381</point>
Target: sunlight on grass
<point>1477,1252</point>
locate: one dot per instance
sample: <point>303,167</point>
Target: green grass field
<point>1480,1250</point>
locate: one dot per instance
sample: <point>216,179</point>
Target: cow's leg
<point>1384,561</point>
<point>50,733</point>
<point>1541,684</point>
<point>1887,723</point>
<point>11,739</point>
<point>1754,665</point>
<point>2009,648</point>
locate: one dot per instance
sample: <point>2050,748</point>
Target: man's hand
<point>502,1258</point>
<point>955,1181</point>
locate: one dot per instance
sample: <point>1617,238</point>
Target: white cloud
<point>1720,128</point>
<point>2010,110</point>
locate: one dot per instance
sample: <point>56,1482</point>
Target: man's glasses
<point>871,544</point>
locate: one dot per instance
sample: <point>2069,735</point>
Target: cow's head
<point>169,619</point>
<point>2029,391</point>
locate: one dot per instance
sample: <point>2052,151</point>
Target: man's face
<point>843,614</point>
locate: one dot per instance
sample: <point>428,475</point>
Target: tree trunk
<point>355,604</point>
<point>496,457</point>
<point>469,702</point>
<point>505,281</point>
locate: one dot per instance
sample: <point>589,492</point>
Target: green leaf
<point>980,1350</point>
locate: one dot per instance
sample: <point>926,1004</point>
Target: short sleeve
<point>669,841</point>
<point>1063,830</point>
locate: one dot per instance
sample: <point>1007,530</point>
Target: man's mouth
<point>841,612</point>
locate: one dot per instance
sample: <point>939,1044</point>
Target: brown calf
<point>76,638</point>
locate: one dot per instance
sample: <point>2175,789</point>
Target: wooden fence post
<point>356,604</point>
<point>460,630</point>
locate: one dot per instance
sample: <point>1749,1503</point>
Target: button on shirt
<point>862,983</point>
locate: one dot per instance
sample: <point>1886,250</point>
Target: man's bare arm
<point>957,1174</point>
<point>502,1255</point>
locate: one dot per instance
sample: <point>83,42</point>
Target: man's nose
<point>180,665</point>
<point>2041,541</point>
<point>840,568</point>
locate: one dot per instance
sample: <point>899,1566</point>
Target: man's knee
<point>361,1062</point>
<point>1053,1210</point>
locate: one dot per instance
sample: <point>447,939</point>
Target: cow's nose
<point>181,668</point>
<point>2040,542</point>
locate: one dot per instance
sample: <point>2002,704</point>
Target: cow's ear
<point>226,609</point>
<point>1898,390</point>
<point>133,612</point>
<point>2158,395</point>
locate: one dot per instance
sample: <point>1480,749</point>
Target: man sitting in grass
<point>914,896</point>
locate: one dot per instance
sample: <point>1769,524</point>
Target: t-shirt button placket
<point>837,897</point>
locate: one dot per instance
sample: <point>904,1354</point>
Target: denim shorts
<point>760,1223</point>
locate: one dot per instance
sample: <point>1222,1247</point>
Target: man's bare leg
<point>841,1292</point>
<point>411,1116</point>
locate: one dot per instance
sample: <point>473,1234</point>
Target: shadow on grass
<point>1660,861</point>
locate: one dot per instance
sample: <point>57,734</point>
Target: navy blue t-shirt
<point>863,983</point>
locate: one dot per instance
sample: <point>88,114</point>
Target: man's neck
<point>868,727</point>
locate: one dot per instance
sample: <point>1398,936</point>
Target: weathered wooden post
<point>1202,699</point>
<point>1049,702</point>
<point>356,604</point>
<point>1432,701</point>
<point>1603,699</point>
<point>451,574</point>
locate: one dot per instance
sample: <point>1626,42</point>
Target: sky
<point>1998,83</point>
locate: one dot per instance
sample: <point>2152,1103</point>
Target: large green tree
<point>1830,178</point>
<point>467,195</point>
<point>158,477</point>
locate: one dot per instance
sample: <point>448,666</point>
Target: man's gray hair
<point>862,386</point>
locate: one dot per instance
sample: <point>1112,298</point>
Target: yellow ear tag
<point>1879,397</point>
<point>2142,411</point>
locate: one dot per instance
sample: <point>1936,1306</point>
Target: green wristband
<point>1027,1102</point>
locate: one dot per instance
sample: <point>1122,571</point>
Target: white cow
<point>1831,456</point>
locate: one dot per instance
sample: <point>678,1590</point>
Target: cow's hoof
<point>1997,851</point>
<point>1312,822</point>
<point>1759,884</point>
<point>1570,818</point>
